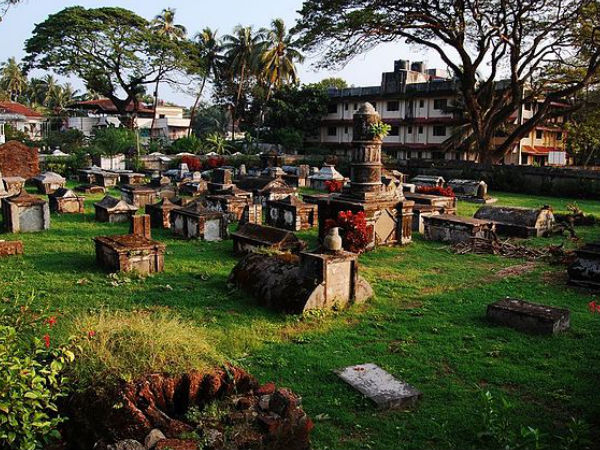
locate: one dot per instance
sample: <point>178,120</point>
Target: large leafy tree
<point>516,42</point>
<point>115,52</point>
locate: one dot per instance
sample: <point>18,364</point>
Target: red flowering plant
<point>194,164</point>
<point>594,307</point>
<point>334,186</point>
<point>215,161</point>
<point>356,234</point>
<point>436,190</point>
<point>32,370</point>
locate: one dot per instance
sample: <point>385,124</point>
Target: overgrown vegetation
<point>425,325</point>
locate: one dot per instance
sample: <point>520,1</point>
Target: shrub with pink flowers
<point>594,307</point>
<point>356,234</point>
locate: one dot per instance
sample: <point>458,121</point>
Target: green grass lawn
<point>425,325</point>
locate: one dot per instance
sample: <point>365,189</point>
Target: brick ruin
<point>10,248</point>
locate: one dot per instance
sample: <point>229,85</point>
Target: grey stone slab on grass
<point>380,386</point>
<point>529,317</point>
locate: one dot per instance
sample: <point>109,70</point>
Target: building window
<point>438,155</point>
<point>440,103</point>
<point>332,108</point>
<point>409,130</point>
<point>539,134</point>
<point>355,106</point>
<point>421,130</point>
<point>346,130</point>
<point>439,130</point>
<point>527,106</point>
<point>420,155</point>
<point>161,116</point>
<point>346,106</point>
<point>421,103</point>
<point>559,136</point>
<point>395,130</point>
<point>393,105</point>
<point>332,131</point>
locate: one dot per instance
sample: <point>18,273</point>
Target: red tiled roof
<point>107,106</point>
<point>17,108</point>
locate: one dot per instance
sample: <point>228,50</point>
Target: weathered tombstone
<point>14,185</point>
<point>253,237</point>
<point>194,188</point>
<point>419,214</point>
<point>585,270</point>
<point>264,189</point>
<point>135,252</point>
<point>25,213</point>
<point>48,182</point>
<point>160,213</point>
<point>242,170</point>
<point>291,213</point>
<point>529,317</point>
<point>428,181</point>
<point>455,229</point>
<point>518,222</point>
<point>442,204</point>
<point>3,191</point>
<point>380,386</point>
<point>326,174</point>
<point>65,201</point>
<point>321,279</point>
<point>252,214</point>
<point>113,210</point>
<point>471,191</point>
<point>232,202</point>
<point>388,214</point>
<point>106,179</point>
<point>137,195</point>
<point>197,222</point>
<point>10,248</point>
<point>90,189</point>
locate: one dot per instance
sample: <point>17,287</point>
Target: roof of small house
<point>106,105</point>
<point>112,204</point>
<point>18,108</point>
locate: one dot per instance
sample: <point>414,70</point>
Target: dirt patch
<point>514,271</point>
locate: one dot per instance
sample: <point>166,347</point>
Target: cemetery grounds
<point>426,325</point>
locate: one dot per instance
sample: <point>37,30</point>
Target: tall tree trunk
<point>155,102</point>
<point>195,107</point>
<point>237,101</point>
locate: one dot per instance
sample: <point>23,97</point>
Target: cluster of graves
<point>275,265</point>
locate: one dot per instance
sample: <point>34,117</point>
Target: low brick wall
<point>551,181</point>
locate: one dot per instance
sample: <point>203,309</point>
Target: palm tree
<point>62,96</point>
<point>279,56</point>
<point>50,87</point>
<point>241,51</point>
<point>164,25</point>
<point>12,79</point>
<point>209,48</point>
<point>217,143</point>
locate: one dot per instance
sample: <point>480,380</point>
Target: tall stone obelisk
<point>388,213</point>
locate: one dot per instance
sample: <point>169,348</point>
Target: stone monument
<point>388,213</point>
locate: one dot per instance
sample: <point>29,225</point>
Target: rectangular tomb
<point>113,210</point>
<point>197,222</point>
<point>291,213</point>
<point>585,270</point>
<point>519,222</point>
<point>529,317</point>
<point>455,229</point>
<point>25,213</point>
<point>252,237</point>
<point>380,386</point>
<point>139,196</point>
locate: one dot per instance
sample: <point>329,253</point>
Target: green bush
<point>31,378</point>
<point>190,144</point>
<point>113,141</point>
<point>68,141</point>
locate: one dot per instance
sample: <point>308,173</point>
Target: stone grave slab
<point>529,317</point>
<point>380,386</point>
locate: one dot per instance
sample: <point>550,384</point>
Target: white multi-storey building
<point>416,102</point>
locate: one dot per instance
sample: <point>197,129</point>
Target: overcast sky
<point>223,15</point>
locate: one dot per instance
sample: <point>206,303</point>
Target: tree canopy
<point>115,51</point>
<point>499,51</point>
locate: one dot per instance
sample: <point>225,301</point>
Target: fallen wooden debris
<point>508,249</point>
